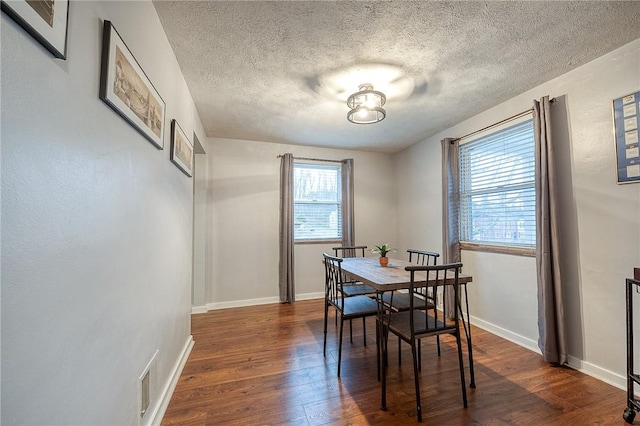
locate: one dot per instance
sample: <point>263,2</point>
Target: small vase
<point>384,261</point>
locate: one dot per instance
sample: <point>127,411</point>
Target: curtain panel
<point>286,265</point>
<point>450,208</point>
<point>348,229</point>
<point>450,201</point>
<point>552,336</point>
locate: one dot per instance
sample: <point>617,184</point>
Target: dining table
<point>384,278</point>
<point>394,276</point>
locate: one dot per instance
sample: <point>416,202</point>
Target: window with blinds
<point>497,188</point>
<point>317,197</point>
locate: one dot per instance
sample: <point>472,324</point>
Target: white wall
<point>96,227</point>
<point>243,218</point>
<point>600,219</point>
<point>198,296</point>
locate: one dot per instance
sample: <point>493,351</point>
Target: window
<point>497,188</point>
<point>317,198</point>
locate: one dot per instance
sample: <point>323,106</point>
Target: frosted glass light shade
<point>366,105</point>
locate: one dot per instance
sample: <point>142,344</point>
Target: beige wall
<point>600,219</point>
<point>243,218</point>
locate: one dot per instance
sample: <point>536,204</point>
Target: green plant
<point>383,250</point>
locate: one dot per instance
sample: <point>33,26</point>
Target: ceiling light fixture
<point>366,105</point>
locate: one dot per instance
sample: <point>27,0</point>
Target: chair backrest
<point>421,257</point>
<point>353,251</point>
<point>439,280</point>
<point>332,277</point>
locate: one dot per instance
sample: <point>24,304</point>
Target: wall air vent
<point>147,390</point>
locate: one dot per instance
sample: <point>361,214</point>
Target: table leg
<point>382,356</point>
<point>467,331</point>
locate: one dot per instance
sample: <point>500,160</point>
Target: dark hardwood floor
<point>263,365</point>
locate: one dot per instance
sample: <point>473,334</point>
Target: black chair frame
<point>401,300</point>
<point>351,287</point>
<point>347,308</point>
<point>426,319</point>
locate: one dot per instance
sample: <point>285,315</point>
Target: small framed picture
<point>181,149</point>
<point>125,87</point>
<point>46,21</point>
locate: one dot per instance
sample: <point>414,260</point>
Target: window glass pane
<point>317,201</point>
<point>317,221</point>
<point>497,188</point>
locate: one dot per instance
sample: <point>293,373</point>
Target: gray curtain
<point>552,336</point>
<point>348,229</point>
<point>450,201</point>
<point>450,208</point>
<point>286,277</point>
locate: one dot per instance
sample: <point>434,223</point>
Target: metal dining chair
<point>425,319</point>
<point>352,287</point>
<point>347,308</point>
<point>401,301</point>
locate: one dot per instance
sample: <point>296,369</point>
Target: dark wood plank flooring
<point>263,365</point>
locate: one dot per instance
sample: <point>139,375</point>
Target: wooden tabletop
<point>391,277</point>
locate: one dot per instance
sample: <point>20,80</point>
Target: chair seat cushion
<point>356,306</point>
<point>401,301</point>
<point>425,324</point>
<point>357,290</point>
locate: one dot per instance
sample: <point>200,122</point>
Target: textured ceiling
<point>281,71</point>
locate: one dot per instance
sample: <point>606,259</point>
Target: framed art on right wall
<point>626,120</point>
<point>181,149</point>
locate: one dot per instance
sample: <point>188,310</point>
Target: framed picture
<point>46,21</point>
<point>181,149</point>
<point>125,87</point>
<point>626,124</point>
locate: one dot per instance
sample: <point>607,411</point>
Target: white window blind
<point>317,201</point>
<point>497,188</point>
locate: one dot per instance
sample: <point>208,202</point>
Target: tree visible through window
<point>317,197</point>
<point>497,188</point>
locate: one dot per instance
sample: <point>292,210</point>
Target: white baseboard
<point>310,296</point>
<point>240,303</point>
<point>607,376</point>
<point>518,339</point>
<point>198,310</point>
<point>250,302</point>
<point>614,379</point>
<point>170,386</point>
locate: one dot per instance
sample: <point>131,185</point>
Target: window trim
<point>339,241</point>
<point>498,248</point>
